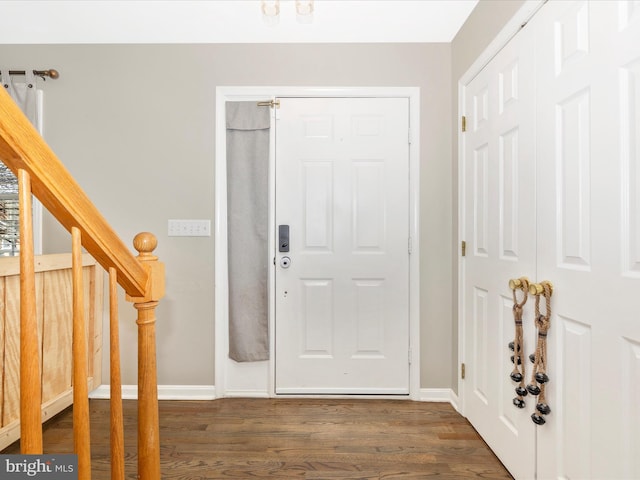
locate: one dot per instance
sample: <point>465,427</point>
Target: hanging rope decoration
<point>517,346</point>
<point>539,377</point>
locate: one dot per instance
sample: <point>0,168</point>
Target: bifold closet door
<point>499,228</point>
<point>588,147</point>
<point>583,142</point>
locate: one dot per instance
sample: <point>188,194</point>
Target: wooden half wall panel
<point>11,363</point>
<point>55,322</point>
<point>58,333</point>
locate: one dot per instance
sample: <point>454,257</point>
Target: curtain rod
<point>51,73</point>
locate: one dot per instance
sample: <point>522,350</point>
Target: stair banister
<point>26,154</point>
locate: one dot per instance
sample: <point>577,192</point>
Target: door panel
<point>588,137</point>
<point>342,177</point>
<point>499,227</point>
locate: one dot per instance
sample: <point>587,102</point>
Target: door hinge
<point>409,245</point>
<point>463,370</point>
<point>464,123</point>
<point>409,134</point>
<point>463,248</point>
<point>409,356</point>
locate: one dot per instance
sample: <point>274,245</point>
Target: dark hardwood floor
<point>301,438</point>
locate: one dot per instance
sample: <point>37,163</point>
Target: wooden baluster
<point>148,426</point>
<point>30,381</point>
<point>81,435</point>
<point>117,422</point>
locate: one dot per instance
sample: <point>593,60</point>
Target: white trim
<point>223,94</point>
<point>439,395</point>
<point>461,237</point>
<point>165,392</point>
<point>511,28</point>
<point>238,393</point>
<point>208,392</point>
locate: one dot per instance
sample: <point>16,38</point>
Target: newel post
<point>148,426</point>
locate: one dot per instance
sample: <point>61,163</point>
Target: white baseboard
<point>246,393</point>
<point>165,392</point>
<point>439,395</point>
<point>208,392</point>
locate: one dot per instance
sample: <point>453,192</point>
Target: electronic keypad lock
<point>283,238</point>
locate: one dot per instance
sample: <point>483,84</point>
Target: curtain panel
<point>248,128</point>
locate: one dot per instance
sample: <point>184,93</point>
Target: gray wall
<point>482,26</point>
<point>135,125</point>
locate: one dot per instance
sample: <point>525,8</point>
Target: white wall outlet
<point>189,228</point>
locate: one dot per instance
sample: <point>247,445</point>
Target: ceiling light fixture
<point>271,11</point>
<point>304,11</point>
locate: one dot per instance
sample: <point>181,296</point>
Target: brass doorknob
<point>538,288</point>
<point>517,282</point>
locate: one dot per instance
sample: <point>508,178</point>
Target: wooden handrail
<point>22,147</point>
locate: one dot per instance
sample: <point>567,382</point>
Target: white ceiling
<point>228,21</point>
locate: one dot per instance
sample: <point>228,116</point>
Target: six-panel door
<point>342,300</point>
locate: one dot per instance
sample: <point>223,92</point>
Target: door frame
<point>256,379</point>
<point>511,28</point>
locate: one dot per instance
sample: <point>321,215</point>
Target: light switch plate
<point>189,228</point>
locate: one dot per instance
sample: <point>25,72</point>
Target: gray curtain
<point>22,89</point>
<point>247,223</point>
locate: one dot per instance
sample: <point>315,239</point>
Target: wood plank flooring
<point>320,439</point>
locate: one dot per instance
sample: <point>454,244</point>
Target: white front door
<point>342,297</point>
<point>498,172</point>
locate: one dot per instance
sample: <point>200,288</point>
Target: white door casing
<point>256,379</point>
<point>586,144</point>
<point>342,301</point>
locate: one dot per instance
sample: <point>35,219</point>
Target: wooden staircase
<point>142,278</point>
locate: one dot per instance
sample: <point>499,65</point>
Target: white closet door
<point>588,141</point>
<point>498,172</point>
